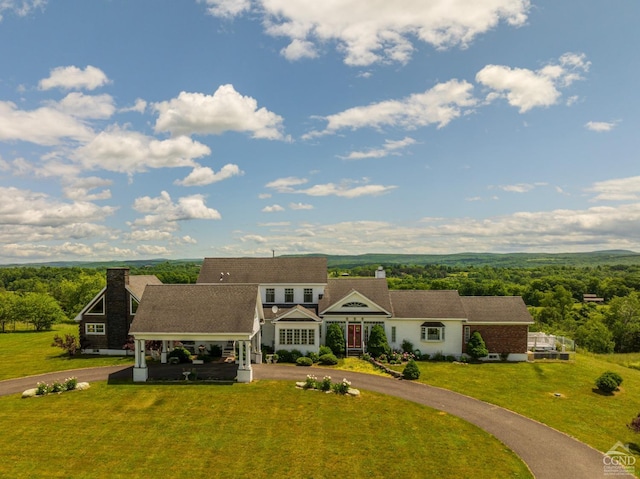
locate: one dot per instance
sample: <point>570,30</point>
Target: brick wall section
<point>117,307</point>
<point>502,338</point>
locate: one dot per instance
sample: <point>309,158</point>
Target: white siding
<point>409,329</point>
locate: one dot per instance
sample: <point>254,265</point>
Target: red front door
<point>354,336</point>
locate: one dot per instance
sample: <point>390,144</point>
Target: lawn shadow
<point>599,392</point>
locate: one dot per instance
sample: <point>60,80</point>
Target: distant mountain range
<point>514,260</point>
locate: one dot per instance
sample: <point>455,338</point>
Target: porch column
<point>140,371</point>
<point>245,373</point>
<point>163,353</point>
<point>257,346</point>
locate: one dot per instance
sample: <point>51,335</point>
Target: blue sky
<point>146,129</point>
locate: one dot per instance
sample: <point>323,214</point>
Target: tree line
<point>43,295</point>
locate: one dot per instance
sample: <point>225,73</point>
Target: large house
<point>288,303</point>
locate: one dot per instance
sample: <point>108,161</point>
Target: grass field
<point>265,429</point>
<point>25,353</point>
<point>530,389</point>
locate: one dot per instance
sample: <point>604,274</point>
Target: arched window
<point>354,304</point>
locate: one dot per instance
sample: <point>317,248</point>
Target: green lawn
<point>25,353</point>
<point>530,388</point>
<point>266,429</point>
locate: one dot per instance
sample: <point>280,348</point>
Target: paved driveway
<point>549,453</point>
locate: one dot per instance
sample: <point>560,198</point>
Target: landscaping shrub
<point>285,356</point>
<point>313,356</point>
<point>335,340</point>
<point>328,359</point>
<point>634,425</point>
<point>295,354</point>
<point>341,387</point>
<point>183,354</point>
<point>304,361</point>
<point>451,358</point>
<point>42,389</point>
<point>606,383</point>
<point>476,348</point>
<point>324,350</point>
<point>325,384</point>
<point>57,387</point>
<point>69,343</point>
<point>438,356</point>
<point>378,343</point>
<point>70,384</point>
<point>407,346</point>
<point>411,370</point>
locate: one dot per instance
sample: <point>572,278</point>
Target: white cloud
<point>299,49</point>
<point>345,189</point>
<point>527,89</point>
<point>272,209</point>
<point>300,206</point>
<point>518,188</point>
<point>225,110</point>
<point>600,126</point>
<point>130,152</point>
<point>80,188</point>
<point>203,175</point>
<point>43,126</point>
<point>226,8</point>
<point>286,185</point>
<point>22,8</point>
<point>390,147</point>
<point>79,105</point>
<point>162,210</point>
<point>619,189</point>
<point>379,31</point>
<point>139,106</point>
<point>438,105</point>
<point>74,78</point>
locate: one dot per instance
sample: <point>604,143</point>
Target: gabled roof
<point>297,313</point>
<point>137,283</point>
<point>197,308</point>
<point>284,270</point>
<point>427,304</point>
<point>374,289</point>
<point>496,309</point>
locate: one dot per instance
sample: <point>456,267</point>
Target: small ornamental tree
<point>335,339</point>
<point>411,370</point>
<point>69,343</point>
<point>378,344</point>
<point>476,348</point>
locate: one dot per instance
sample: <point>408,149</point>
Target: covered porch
<point>199,314</point>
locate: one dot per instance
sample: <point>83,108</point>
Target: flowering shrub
<point>42,389</point>
<point>325,384</point>
<point>342,387</point>
<point>311,382</point>
<point>69,384</point>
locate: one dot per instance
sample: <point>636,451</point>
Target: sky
<point>200,128</point>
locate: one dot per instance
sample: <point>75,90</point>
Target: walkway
<point>549,453</point>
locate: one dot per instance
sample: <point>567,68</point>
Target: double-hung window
<point>288,295</point>
<point>308,295</point>
<point>94,328</point>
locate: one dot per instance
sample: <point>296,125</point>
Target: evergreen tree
<point>476,348</point>
<point>378,344</point>
<point>335,339</point>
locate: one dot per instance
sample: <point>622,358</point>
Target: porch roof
<point>188,310</point>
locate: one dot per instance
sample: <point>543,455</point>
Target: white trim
<point>78,318</point>
<point>96,328</point>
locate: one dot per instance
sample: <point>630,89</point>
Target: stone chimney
<point>380,273</point>
<point>117,307</point>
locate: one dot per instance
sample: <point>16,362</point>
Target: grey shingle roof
<point>375,289</point>
<point>292,270</point>
<point>499,309</point>
<point>197,308</point>
<point>427,304</point>
<point>137,283</point>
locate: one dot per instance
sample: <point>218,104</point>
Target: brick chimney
<point>117,307</point>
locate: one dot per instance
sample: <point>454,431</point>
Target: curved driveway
<point>549,453</point>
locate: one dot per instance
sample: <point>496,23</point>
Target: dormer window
<point>354,304</point>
